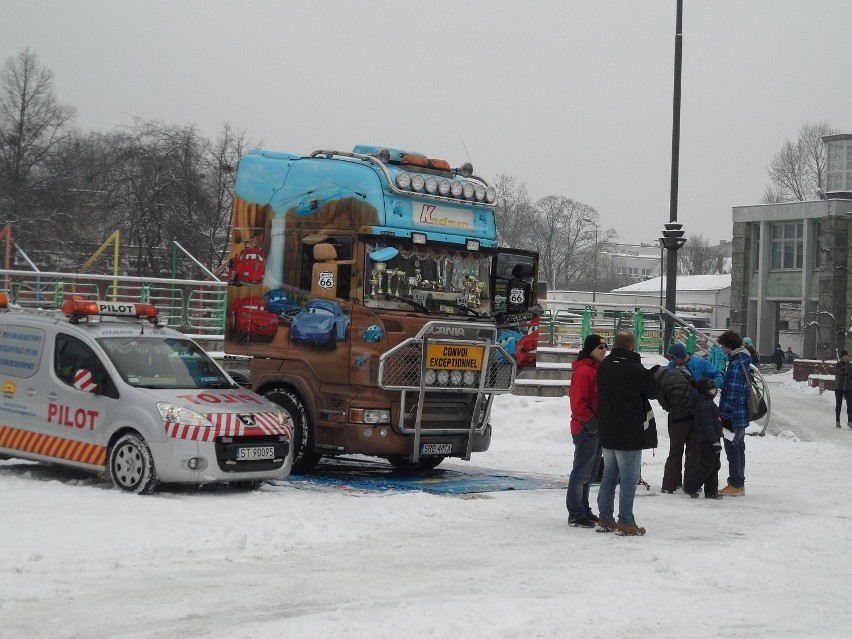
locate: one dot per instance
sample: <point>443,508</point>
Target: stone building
<point>799,269</point>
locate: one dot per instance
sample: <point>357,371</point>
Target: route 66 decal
<point>325,279</point>
<point>516,296</point>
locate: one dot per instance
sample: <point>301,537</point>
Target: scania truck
<point>368,290</point>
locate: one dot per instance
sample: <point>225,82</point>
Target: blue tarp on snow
<point>376,476</point>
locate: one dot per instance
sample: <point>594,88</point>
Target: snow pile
<point>81,559</point>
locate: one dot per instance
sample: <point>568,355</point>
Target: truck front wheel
<point>304,457</point>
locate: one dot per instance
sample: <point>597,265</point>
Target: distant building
<point>702,300</point>
<point>794,287</point>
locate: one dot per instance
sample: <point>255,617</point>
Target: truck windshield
<point>440,281</point>
<point>157,362</point>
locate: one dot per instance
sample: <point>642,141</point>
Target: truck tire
<point>304,457</point>
<point>131,465</point>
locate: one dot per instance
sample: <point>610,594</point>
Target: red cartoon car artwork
<point>249,319</point>
<point>248,267</point>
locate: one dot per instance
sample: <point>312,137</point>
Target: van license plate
<point>255,452</point>
<point>436,449</point>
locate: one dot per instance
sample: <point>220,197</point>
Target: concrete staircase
<point>551,375</point>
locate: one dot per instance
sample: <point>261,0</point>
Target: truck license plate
<point>436,449</point>
<point>255,452</point>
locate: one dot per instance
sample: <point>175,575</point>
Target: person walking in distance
<point>733,410</point>
<point>708,425</point>
<point>842,388</point>
<point>583,394</point>
<point>626,425</point>
<point>778,357</point>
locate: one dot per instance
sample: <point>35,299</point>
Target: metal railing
<point>193,306</point>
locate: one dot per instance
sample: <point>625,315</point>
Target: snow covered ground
<point>82,559</point>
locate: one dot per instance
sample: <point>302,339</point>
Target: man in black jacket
<point>626,426</point>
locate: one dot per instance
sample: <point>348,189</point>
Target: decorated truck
<point>368,291</point>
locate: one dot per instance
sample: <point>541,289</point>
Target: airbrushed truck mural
<point>368,289</point>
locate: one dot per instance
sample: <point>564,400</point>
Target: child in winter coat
<point>709,426</point>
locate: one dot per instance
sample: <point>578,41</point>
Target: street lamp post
<point>595,268</point>
<point>672,238</point>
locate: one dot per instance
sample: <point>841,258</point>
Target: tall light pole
<point>672,238</point>
<point>595,268</point>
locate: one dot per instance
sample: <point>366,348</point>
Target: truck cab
<point>395,289</point>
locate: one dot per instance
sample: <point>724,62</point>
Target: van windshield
<point>430,279</point>
<point>157,362</point>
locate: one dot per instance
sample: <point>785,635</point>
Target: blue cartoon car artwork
<point>372,334</point>
<point>278,303</point>
<point>322,322</point>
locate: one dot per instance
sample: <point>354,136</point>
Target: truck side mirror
<point>84,381</point>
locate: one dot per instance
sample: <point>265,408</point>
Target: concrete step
<point>540,389</point>
<point>560,355</point>
<point>544,374</point>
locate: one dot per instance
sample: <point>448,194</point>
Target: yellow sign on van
<point>454,357</point>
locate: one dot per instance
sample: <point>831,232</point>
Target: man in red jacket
<point>583,393</point>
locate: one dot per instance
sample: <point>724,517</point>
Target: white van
<point>103,388</point>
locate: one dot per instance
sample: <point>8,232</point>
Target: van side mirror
<point>84,381</point>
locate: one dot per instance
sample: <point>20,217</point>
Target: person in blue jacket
<point>699,368</point>
<point>683,436</point>
<point>733,409</point>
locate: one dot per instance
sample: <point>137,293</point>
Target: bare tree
<point>697,257</point>
<point>34,125</point>
<point>797,171</point>
<point>562,231</point>
<point>221,162</point>
<point>512,212</point>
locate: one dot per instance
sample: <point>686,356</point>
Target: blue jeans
<point>620,467</point>
<point>587,458</point>
<point>735,452</point>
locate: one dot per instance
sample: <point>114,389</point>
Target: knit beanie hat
<point>592,342</point>
<point>842,353</point>
<point>677,350</point>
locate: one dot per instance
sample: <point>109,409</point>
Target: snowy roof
<point>684,283</point>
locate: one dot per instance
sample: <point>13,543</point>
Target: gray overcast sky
<point>571,97</point>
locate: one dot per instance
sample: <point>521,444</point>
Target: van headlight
<point>183,416</point>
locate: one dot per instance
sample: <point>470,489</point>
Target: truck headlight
<point>369,416</point>
<point>470,378</point>
<point>181,415</point>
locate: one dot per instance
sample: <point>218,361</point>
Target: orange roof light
<point>415,160</point>
<point>441,165</point>
<point>75,307</point>
<point>79,307</point>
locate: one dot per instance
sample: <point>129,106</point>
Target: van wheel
<point>304,457</point>
<point>131,465</point>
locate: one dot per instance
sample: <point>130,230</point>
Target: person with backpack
<point>755,358</point>
<point>733,408</point>
<point>676,386</point>
<point>843,388</point>
<point>708,427</point>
